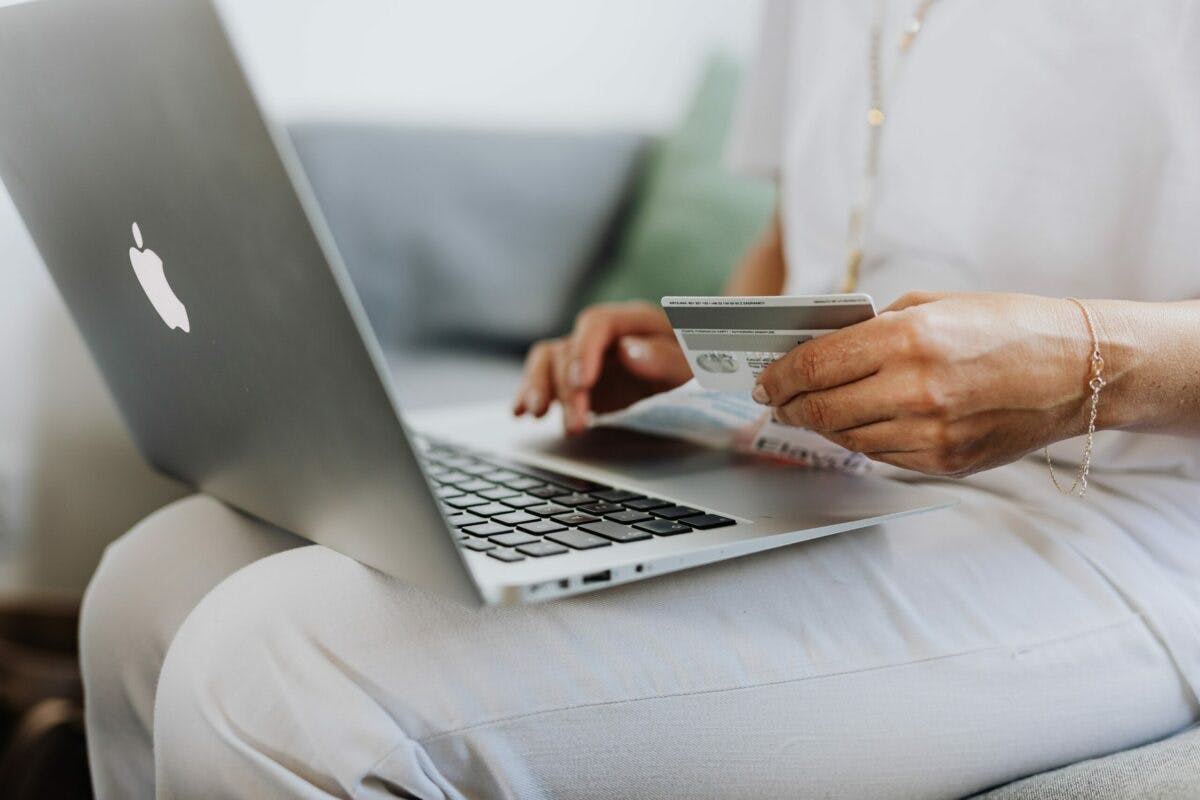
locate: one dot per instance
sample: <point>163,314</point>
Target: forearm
<point>762,271</point>
<point>1151,357</point>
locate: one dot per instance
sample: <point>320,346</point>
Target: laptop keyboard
<point>514,512</point>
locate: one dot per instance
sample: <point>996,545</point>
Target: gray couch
<point>466,246</point>
<point>1166,770</point>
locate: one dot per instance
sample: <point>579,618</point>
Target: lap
<point>932,656</point>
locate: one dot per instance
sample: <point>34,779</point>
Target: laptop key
<point>616,496</point>
<point>646,503</point>
<point>662,527</point>
<point>474,485</point>
<point>579,539</point>
<point>542,549</point>
<point>523,484</point>
<point>547,510</point>
<point>464,519</point>
<point>573,499</point>
<point>454,477</point>
<point>601,508</point>
<point>707,522</point>
<point>542,526</point>
<point>487,529</point>
<point>522,501</point>
<point>500,476</point>
<point>515,518</point>
<point>498,493</point>
<point>479,545</point>
<point>675,512</point>
<point>575,519</point>
<point>465,501</point>
<point>545,492</point>
<point>477,468</point>
<point>611,530</point>
<point>576,484</point>
<point>507,556</point>
<point>514,539</point>
<point>448,491</point>
<point>491,510</point>
<point>629,517</point>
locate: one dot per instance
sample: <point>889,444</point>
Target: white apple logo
<point>149,270</point>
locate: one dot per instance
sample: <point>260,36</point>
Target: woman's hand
<point>942,384</point>
<point>617,354</point>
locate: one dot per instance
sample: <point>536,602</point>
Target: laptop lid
<point>186,244</point>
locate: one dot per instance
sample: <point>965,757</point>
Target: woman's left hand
<point>947,384</point>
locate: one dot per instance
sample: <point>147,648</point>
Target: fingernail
<point>760,395</point>
<point>636,350</point>
<point>575,374</point>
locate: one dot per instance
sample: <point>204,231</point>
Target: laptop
<point>186,243</point>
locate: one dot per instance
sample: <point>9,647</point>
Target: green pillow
<point>693,220</point>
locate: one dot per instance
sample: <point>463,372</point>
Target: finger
<point>654,358</point>
<point>520,406</point>
<point>946,450</point>
<point>536,388</point>
<point>597,328</point>
<point>831,360</point>
<point>915,299</point>
<point>574,401</point>
<point>926,462</point>
<point>873,399</point>
<point>893,436</point>
<point>520,403</point>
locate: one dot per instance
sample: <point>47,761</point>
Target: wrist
<point>1132,358</point>
<point>1095,384</point>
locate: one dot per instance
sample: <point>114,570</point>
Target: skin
<point>944,384</point>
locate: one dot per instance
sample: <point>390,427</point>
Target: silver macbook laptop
<point>187,246</point>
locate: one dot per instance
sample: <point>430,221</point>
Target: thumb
<point>654,358</point>
<point>915,299</point>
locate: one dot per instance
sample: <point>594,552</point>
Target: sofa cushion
<point>1165,770</point>
<point>467,234</point>
<point>694,219</point>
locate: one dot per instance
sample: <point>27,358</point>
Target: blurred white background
<point>523,63</point>
<point>526,64</point>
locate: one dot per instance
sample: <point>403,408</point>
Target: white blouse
<point>1041,146</point>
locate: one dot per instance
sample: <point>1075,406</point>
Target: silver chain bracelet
<point>1095,383</point>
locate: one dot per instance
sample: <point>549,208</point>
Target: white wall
<point>563,63</point>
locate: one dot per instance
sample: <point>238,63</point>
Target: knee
<point>122,620</point>
<point>148,582</point>
<point>255,697</point>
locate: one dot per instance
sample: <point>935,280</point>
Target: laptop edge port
<point>598,577</point>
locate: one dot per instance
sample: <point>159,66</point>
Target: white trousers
<point>932,657</point>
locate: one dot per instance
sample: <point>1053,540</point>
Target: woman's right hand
<point>617,354</point>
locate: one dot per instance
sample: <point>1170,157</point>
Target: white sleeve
<point>756,143</point>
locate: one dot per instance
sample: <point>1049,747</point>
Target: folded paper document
<point>723,419</point>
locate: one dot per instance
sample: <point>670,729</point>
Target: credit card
<point>729,341</point>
